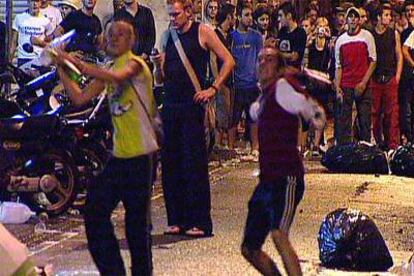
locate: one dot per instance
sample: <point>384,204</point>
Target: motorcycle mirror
<point>27,47</point>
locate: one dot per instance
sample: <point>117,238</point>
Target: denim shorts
<point>272,207</point>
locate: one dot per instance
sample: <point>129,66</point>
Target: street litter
<point>350,240</point>
<point>356,158</point>
<point>15,213</point>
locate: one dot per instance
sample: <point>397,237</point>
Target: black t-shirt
<point>145,27</point>
<point>2,45</point>
<point>319,59</point>
<point>87,30</point>
<point>294,41</point>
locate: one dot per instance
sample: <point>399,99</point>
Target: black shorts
<point>271,207</point>
<point>243,98</point>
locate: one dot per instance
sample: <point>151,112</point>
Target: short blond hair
<point>185,3</point>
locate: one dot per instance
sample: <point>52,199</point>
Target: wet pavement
<point>388,200</point>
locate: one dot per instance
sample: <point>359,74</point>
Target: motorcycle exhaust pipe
<point>46,183</point>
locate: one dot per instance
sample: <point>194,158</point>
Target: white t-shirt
<point>27,26</point>
<point>409,42</point>
<point>53,14</point>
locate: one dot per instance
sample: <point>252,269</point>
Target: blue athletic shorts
<point>272,206</point>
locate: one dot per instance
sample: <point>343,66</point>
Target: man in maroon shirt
<point>281,186</point>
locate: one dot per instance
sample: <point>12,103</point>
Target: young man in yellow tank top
<point>127,177</point>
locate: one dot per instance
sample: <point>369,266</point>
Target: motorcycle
<point>49,151</point>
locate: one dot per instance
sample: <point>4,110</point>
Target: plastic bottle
<point>45,58</point>
<point>15,213</point>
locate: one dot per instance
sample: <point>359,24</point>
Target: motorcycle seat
<point>29,127</point>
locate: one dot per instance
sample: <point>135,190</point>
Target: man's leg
<point>343,128</point>
<point>377,93</point>
<point>254,136</point>
<point>101,200</point>
<point>363,105</point>
<point>289,257</point>
<point>256,230</point>
<point>261,261</point>
<point>171,160</point>
<point>135,194</point>
<point>391,129</point>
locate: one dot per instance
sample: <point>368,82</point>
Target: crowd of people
<point>247,57</point>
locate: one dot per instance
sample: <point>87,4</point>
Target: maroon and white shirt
<point>353,53</point>
<point>278,113</point>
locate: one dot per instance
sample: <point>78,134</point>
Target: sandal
<point>173,230</point>
<point>197,233</point>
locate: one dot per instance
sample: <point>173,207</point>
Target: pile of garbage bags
<point>363,157</point>
<point>356,158</point>
<point>350,240</point>
<point>402,161</point>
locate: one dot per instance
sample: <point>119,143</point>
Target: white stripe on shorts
<point>288,213</point>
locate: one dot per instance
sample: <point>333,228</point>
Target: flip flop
<point>173,230</point>
<point>197,233</point>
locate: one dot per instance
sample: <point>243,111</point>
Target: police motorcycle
<point>47,154</point>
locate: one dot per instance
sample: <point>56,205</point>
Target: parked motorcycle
<point>49,150</point>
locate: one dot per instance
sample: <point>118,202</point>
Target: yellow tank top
<point>133,133</point>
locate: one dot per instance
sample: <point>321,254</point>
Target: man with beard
<point>143,20</point>
<point>292,37</point>
<point>88,29</point>
<point>356,57</point>
<point>246,45</point>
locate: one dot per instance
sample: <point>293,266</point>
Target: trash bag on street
<point>402,161</point>
<point>356,158</point>
<point>350,240</point>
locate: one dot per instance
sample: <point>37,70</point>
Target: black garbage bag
<point>350,240</point>
<point>356,158</point>
<point>402,161</point>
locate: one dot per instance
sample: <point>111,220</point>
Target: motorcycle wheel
<point>96,157</point>
<point>61,198</point>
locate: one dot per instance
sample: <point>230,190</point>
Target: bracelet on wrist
<point>215,88</point>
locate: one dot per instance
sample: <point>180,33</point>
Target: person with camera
<point>385,79</point>
<point>319,58</point>
<point>355,57</point>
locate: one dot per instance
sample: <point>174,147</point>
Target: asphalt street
<point>388,200</point>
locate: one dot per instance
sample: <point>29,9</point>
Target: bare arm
<point>210,40</point>
<point>77,96</point>
<point>338,79</point>
<point>13,45</point>
<point>35,40</point>
<point>290,56</point>
<point>59,31</point>
<point>119,76</point>
<point>398,52</point>
<point>158,61</point>
<point>213,43</point>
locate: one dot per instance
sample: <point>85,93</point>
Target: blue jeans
<point>129,181</point>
